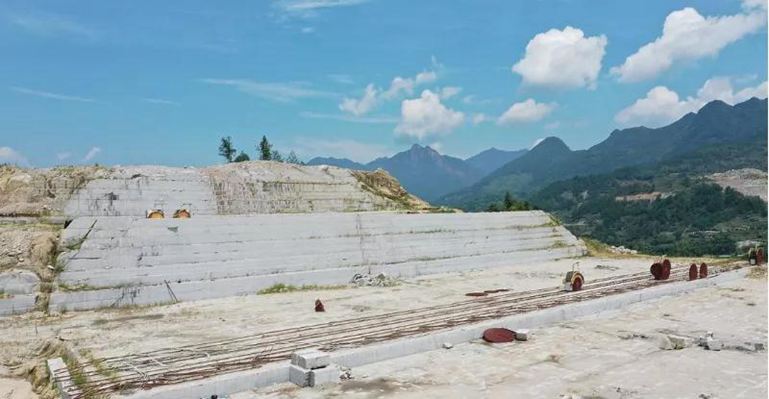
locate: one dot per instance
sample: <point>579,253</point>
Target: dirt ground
<point>121,331</point>
<point>614,356</point>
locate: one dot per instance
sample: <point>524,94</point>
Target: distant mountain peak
<point>551,144</point>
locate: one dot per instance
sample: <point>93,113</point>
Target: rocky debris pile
<point>381,183</point>
<point>41,192</point>
<point>28,247</point>
<point>380,280</point>
<point>621,250</point>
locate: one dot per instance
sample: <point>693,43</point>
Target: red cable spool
<point>496,335</point>
<point>703,270</point>
<point>693,273</point>
<point>576,285</point>
<point>665,269</point>
<point>656,271</point>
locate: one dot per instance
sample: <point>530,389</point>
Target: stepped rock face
<point>130,260</point>
<point>238,188</point>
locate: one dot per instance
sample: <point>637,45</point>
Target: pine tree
<point>508,201</point>
<point>292,158</point>
<point>265,149</point>
<point>226,149</point>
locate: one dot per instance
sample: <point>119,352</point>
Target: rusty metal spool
<point>496,335</point>
<point>666,266</point>
<point>319,306</point>
<point>759,256</point>
<point>693,273</point>
<point>656,270</point>
<point>577,281</point>
<point>155,214</point>
<point>703,270</point>
<point>182,214</point>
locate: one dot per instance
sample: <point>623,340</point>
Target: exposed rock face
<point>41,192</point>
<point>14,282</point>
<point>746,181</point>
<point>238,188</point>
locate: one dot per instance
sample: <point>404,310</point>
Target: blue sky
<point>160,82</point>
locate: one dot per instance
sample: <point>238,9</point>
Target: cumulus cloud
<point>91,154</point>
<point>661,105</point>
<point>373,96</point>
<point>425,116</point>
<point>11,156</point>
<point>362,105</point>
<point>687,35</point>
<point>562,58</point>
<point>525,111</point>
<point>449,91</point>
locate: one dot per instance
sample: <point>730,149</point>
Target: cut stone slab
<point>15,282</point>
<point>714,344</point>
<point>325,375</point>
<point>678,342</point>
<point>522,335</point>
<point>310,359</point>
<point>298,375</point>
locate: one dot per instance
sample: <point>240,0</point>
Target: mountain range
<point>428,174</point>
<point>552,160</point>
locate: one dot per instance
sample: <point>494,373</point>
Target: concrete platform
<point>279,372</point>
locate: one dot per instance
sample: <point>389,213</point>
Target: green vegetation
<point>280,288</point>
<point>509,204</point>
<point>227,149</point>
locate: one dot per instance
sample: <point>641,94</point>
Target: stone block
<point>325,375</point>
<point>310,359</point>
<point>298,375</point>
<point>678,342</point>
<point>714,344</point>
<point>522,335</point>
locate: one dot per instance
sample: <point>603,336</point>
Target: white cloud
<point>341,78</point>
<point>309,8</point>
<point>562,58</point>
<point>91,154</point>
<point>749,5</point>
<point>553,125</point>
<point>661,105</point>
<point>50,25</point>
<point>480,118</point>
<point>348,118</point>
<point>11,156</point>
<point>526,111</point>
<point>281,92</point>
<point>363,105</point>
<point>687,35</point>
<point>373,96</point>
<point>449,91</point>
<point>161,101</point>
<point>425,116</point>
<point>536,143</point>
<point>63,155</point>
<point>308,147</point>
<point>52,96</point>
<point>308,29</point>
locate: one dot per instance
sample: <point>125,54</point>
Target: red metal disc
<point>703,270</point>
<point>476,294</point>
<point>319,306</point>
<point>666,269</point>
<point>498,335</point>
<point>656,271</point>
<point>693,272</point>
<point>577,284</point>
